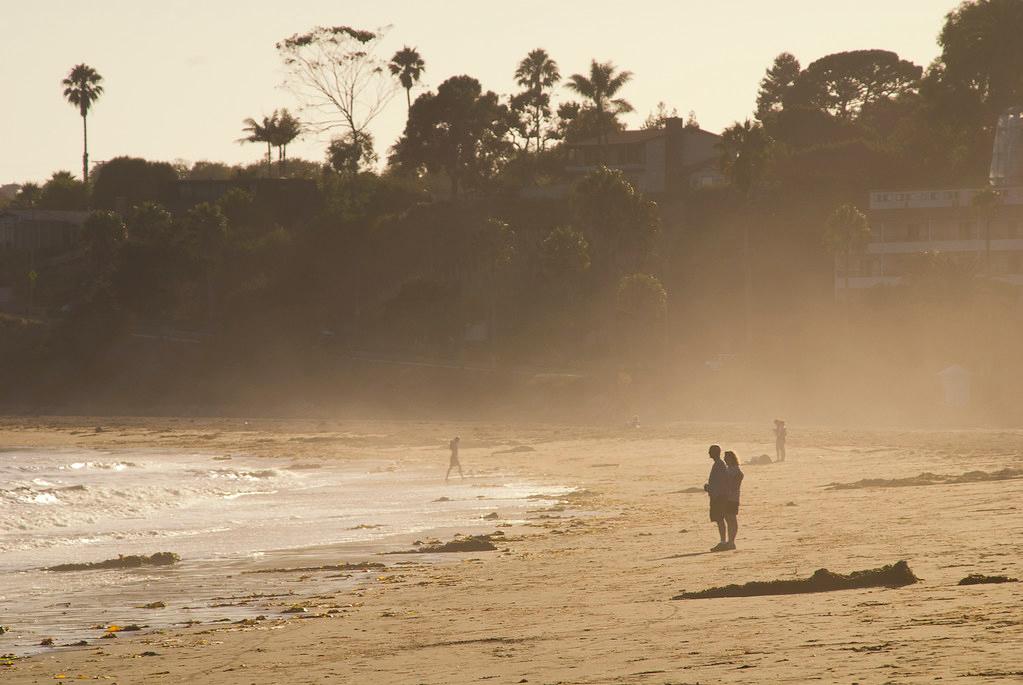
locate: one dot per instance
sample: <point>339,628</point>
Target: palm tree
<point>261,132</point>
<point>987,201</point>
<point>285,129</point>
<point>408,65</point>
<point>600,89</point>
<point>536,73</point>
<point>82,87</point>
<point>744,149</point>
<point>847,232</point>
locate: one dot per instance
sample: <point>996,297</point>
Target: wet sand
<point>582,593</point>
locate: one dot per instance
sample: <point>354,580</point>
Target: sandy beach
<point>580,590</point>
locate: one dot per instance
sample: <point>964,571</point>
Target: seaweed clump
<point>980,579</point>
<point>131,561</point>
<point>822,580</point>
<point>467,543</point>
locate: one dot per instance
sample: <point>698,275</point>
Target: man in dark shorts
<point>717,488</point>
<point>454,463</point>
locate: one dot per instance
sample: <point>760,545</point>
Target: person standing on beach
<point>717,488</point>
<point>454,459</point>
<point>734,482</point>
<point>779,440</point>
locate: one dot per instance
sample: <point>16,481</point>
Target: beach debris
<point>442,499</point>
<point>930,479</point>
<point>822,580</point>
<point>761,460</point>
<point>367,526</point>
<point>131,561</point>
<point>4,629</point>
<point>98,429</point>
<point>980,579</point>
<point>491,516</point>
<point>516,450</point>
<point>461,543</point>
<point>295,609</point>
<point>108,636</point>
<point>149,654</point>
<point>357,566</point>
<point>154,605</point>
<point>80,643</point>
<point>46,642</point>
<point>790,503</point>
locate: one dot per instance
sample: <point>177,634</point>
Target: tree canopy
<point>459,131</point>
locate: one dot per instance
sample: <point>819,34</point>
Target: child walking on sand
<point>779,440</point>
<point>453,445</point>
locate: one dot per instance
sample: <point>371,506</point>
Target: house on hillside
<point>984,236</point>
<point>40,229</point>
<point>656,161</point>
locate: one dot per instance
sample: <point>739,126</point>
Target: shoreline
<point>587,599</point>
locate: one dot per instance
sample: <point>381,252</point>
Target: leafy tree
<point>204,170</point>
<point>63,191</point>
<point>103,234</point>
<point>206,230</point>
<point>27,197</point>
<point>744,150</point>
<point>642,303</point>
<point>618,220</point>
<point>600,89</point>
<point>82,87</point>
<point>408,65</point>
<point>261,132</point>
<point>642,297</point>
<point>537,73</point>
<point>564,254</point>
<point>284,130</point>
<point>658,118</point>
<point>844,83</point>
<point>124,182</point>
<point>846,233</point>
<point>351,153</point>
<point>981,53</point>
<point>460,131</point>
<point>336,74</point>
<point>775,87</point>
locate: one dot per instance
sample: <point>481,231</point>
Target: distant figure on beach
<point>735,477</point>
<point>717,488</point>
<point>633,422</point>
<point>454,459</point>
<point>779,440</point>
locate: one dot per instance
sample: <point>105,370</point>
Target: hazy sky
<point>181,75</point>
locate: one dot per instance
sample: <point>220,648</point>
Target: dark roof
<point>623,137</point>
<point>640,136</point>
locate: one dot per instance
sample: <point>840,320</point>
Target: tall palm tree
<point>744,151</point>
<point>261,132</point>
<point>408,65</point>
<point>82,87</point>
<point>285,129</point>
<point>536,73</point>
<point>847,233</point>
<point>600,89</point>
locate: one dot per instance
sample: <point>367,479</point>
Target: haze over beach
<point>565,343</point>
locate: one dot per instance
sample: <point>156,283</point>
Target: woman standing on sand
<point>734,485</point>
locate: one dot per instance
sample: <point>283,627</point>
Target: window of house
<point>635,153</point>
<point>965,230</point>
